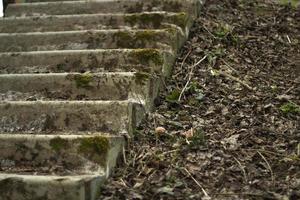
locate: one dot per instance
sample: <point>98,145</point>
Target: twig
<point>269,166</point>
<point>227,65</point>
<point>183,62</point>
<point>242,168</point>
<point>124,155</point>
<point>190,76</point>
<point>288,39</point>
<point>186,56</point>
<point>209,31</point>
<point>190,175</point>
<point>235,79</point>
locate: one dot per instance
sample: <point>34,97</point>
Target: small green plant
<point>173,96</point>
<point>83,80</point>
<point>293,3</point>
<point>197,140</point>
<point>58,143</point>
<point>290,108</point>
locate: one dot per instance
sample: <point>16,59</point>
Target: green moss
<point>147,35</point>
<point>141,78</point>
<point>126,39</point>
<point>95,148</point>
<point>293,3</point>
<point>83,80</point>
<point>181,19</point>
<point>173,96</point>
<point>154,19</point>
<point>58,143</point>
<point>290,108</point>
<point>123,39</point>
<point>146,56</point>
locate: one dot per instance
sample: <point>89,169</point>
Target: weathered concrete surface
<point>33,187</point>
<point>114,117</point>
<point>145,20</point>
<point>74,86</point>
<point>60,154</point>
<point>106,6</point>
<point>99,60</point>
<point>90,39</point>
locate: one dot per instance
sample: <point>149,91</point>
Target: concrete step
<point>145,60</point>
<point>102,6</point>
<point>49,187</point>
<point>146,20</point>
<point>32,1</point>
<point>90,39</point>
<point>83,153</point>
<point>76,86</point>
<point>48,117</point>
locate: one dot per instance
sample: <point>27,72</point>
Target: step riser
<point>147,60</point>
<point>103,86</point>
<point>78,40</point>
<point>93,22</point>
<point>93,7</point>
<point>59,154</point>
<point>17,187</point>
<point>48,117</point>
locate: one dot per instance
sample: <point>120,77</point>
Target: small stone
<point>160,130</point>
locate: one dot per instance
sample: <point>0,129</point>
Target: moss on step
<point>141,78</point>
<point>58,143</point>
<point>146,56</point>
<point>181,19</point>
<point>155,19</point>
<point>83,80</point>
<point>95,147</point>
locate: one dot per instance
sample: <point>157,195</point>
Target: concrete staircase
<point>75,78</point>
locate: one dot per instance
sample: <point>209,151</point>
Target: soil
<point>235,132</point>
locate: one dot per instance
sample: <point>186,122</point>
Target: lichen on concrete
<point>146,56</point>
<point>58,143</point>
<point>83,80</point>
<point>155,19</point>
<point>95,147</point>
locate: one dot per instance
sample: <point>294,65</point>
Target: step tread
<point>92,7</point>
<point>74,86</point>
<point>99,60</point>
<point>83,187</point>
<point>38,117</point>
<point>59,154</point>
<point>145,20</point>
<point>90,39</point>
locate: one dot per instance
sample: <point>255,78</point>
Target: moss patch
<point>146,56</point>
<point>83,80</point>
<point>181,19</point>
<point>154,19</point>
<point>147,35</point>
<point>141,78</point>
<point>290,108</point>
<point>58,143</point>
<point>127,39</point>
<point>95,148</point>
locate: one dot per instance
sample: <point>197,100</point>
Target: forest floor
<point>232,121</point>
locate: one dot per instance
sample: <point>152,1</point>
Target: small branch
<point>209,31</point>
<point>186,56</point>
<point>269,166</point>
<point>190,76</point>
<point>190,175</point>
<point>235,79</point>
<point>242,168</point>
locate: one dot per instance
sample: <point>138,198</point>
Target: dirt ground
<point>234,133</point>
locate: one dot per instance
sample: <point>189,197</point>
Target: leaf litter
<point>230,123</point>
